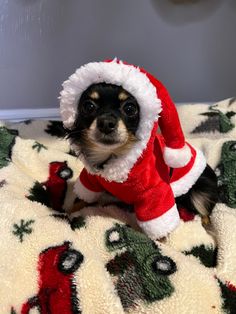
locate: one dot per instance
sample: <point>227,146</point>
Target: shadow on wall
<point>180,12</point>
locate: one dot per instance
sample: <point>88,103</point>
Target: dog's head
<point>107,120</point>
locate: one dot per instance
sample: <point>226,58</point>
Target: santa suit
<point>142,177</point>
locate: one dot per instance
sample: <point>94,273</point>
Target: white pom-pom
<point>177,157</point>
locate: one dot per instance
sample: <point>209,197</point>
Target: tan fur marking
<point>97,154</point>
<point>94,95</point>
<point>123,96</point>
<point>200,201</point>
<point>127,146</point>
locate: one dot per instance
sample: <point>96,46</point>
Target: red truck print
<point>57,290</point>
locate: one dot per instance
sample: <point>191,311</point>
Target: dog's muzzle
<point>107,124</point>
<point>108,130</point>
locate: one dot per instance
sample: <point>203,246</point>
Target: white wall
<point>191,47</point>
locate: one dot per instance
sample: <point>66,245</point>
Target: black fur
<point>108,110</point>
<point>206,186</point>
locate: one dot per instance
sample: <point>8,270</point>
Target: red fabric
<point>168,121</point>
<point>185,214</point>
<point>55,288</point>
<point>90,182</point>
<point>148,184</point>
<point>56,186</point>
<point>230,286</point>
<point>179,172</point>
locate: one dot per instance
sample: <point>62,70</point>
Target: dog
<point>105,129</point>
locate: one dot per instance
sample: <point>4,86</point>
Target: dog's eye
<point>130,109</point>
<point>88,107</point>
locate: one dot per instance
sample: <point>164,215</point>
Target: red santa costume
<point>142,176</point>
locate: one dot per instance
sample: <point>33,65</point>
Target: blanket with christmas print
<point>97,260</point>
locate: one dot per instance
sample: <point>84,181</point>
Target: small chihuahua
<point>105,129</point>
<point>112,111</point>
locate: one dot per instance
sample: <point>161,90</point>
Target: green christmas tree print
<point>141,270</point>
<point>229,297</point>
<point>39,193</point>
<point>55,128</point>
<point>22,229</point>
<point>206,255</point>
<point>52,192</point>
<point>7,141</point>
<point>75,223</point>
<point>38,146</point>
<point>226,174</point>
<point>216,121</point>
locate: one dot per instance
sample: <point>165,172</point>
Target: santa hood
<point>152,98</point>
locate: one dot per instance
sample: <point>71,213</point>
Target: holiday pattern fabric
<point>7,139</point>
<point>98,260</point>
<point>226,172</point>
<point>57,291</point>
<point>210,121</point>
<point>216,120</point>
<point>143,272</point>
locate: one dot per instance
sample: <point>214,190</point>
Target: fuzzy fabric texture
<point>97,260</point>
<point>177,158</point>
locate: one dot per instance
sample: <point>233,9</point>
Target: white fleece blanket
<point>97,261</point>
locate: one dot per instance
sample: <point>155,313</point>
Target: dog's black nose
<point>106,123</point>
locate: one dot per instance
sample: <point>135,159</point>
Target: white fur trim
<point>183,185</point>
<point>135,82</point>
<point>85,194</point>
<point>177,157</point>
<point>161,226</point>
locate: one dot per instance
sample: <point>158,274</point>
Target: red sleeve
<point>156,211</point>
<point>87,187</point>
<point>155,202</point>
<point>90,181</point>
